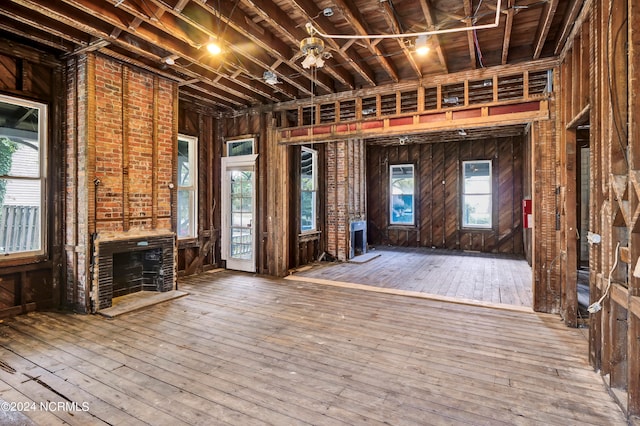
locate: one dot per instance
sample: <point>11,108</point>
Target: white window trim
<point>42,178</point>
<point>413,193</point>
<point>193,188</point>
<point>314,177</point>
<point>490,194</point>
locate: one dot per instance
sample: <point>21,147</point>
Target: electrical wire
<point>313,30</point>
<point>611,70</point>
<point>596,306</point>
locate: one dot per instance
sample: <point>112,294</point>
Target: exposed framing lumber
<point>468,10</point>
<point>359,25</point>
<point>396,28</point>
<point>507,30</point>
<point>427,10</point>
<point>271,13</point>
<point>544,26</point>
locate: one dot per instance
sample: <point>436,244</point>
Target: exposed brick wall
<point>345,194</point>
<point>120,132</point>
<point>77,238</point>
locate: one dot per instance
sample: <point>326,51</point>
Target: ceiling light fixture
<point>312,48</point>
<point>270,77</point>
<point>213,47</point>
<point>421,45</point>
<point>170,60</point>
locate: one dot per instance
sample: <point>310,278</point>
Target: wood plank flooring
<point>250,350</point>
<point>482,277</point>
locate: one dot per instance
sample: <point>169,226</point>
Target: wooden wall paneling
<point>633,335</point>
<point>375,166</point>
<point>618,372</point>
<point>452,196</point>
<point>506,208</point>
<point>414,158</point>
<point>426,195</point>
<point>9,73</point>
<point>439,182</point>
<point>518,194</point>
<point>574,83</point>
<point>468,240</point>
<point>489,241</point>
<point>585,58</point>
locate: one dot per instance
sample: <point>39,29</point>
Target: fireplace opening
<point>358,248</point>
<point>137,271</point>
<point>132,265</point>
<point>358,237</point>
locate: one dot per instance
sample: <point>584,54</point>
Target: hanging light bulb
<point>421,45</point>
<point>309,60</point>
<point>213,47</point>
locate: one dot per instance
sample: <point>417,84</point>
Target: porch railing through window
<point>19,229</point>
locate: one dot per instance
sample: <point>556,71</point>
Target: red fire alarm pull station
<point>527,214</point>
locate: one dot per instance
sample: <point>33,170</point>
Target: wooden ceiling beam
<point>567,25</point>
<point>357,22</point>
<point>308,8</point>
<point>543,27</point>
<point>240,88</point>
<point>427,11</point>
<point>26,17</point>
<point>236,33</point>
<point>92,30</point>
<point>272,14</point>
<point>508,26</point>
<point>395,26</point>
<point>468,10</point>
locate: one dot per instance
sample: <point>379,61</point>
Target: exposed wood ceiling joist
<point>167,37</point>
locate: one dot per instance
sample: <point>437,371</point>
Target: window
<point>240,147</point>
<point>308,189</point>
<point>23,141</point>
<point>187,187</point>
<point>476,194</point>
<point>402,195</point>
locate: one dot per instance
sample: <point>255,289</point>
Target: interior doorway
<point>583,153</point>
<point>238,212</point>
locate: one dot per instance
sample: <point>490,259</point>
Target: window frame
<point>393,222</point>
<point>314,191</point>
<point>43,144</point>
<point>192,188</point>
<point>464,193</point>
<point>233,142</point>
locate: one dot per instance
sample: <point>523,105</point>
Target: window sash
<point>240,147</point>
<point>308,189</point>
<point>187,217</point>
<point>23,179</point>
<point>402,194</point>
<point>477,194</point>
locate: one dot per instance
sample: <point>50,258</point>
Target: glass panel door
<point>241,214</point>
<point>238,220</point>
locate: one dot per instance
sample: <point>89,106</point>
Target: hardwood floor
<point>248,350</point>
<point>481,277</point>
